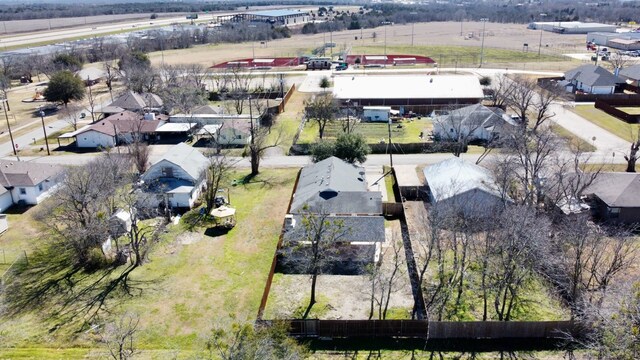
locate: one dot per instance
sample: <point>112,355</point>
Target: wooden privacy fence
<point>432,330</point>
<point>274,261</point>
<point>607,107</point>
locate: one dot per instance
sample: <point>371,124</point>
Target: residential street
<point>604,141</point>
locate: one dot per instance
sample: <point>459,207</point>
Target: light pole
<point>540,43</point>
<point>412,28</point>
<point>484,23</point>
<point>44,130</point>
<point>13,145</point>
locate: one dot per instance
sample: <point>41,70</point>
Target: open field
<point>434,36</point>
<point>193,281</point>
<point>614,125</point>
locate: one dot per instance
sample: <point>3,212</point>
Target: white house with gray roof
<point>463,188</point>
<point>337,191</point>
<point>176,178</point>
<point>27,183</point>
<point>474,122</point>
<point>592,79</point>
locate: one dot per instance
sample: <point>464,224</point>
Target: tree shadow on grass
<point>50,283</point>
<point>260,179</point>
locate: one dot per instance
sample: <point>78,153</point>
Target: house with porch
<point>175,180</point>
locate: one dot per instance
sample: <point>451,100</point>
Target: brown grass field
<point>498,36</point>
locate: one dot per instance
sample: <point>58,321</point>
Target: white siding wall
<point>94,139</point>
<point>602,89</point>
<point>5,201</point>
<point>376,115</point>
<point>229,136</point>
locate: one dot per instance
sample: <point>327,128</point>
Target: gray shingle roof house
<point>462,187</point>
<point>27,182</point>
<point>616,196</point>
<point>334,186</point>
<point>593,79</point>
<point>177,175</point>
<point>475,122</point>
<point>337,192</point>
<point>631,73</point>
<point>137,102</point>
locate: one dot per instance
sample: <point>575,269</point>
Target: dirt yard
<point>501,36</point>
<point>342,297</point>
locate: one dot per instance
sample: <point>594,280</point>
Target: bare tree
<point>532,154</point>
<point>618,61</point>
<point>632,156</point>
<point>521,96</point>
<point>91,100</point>
<point>315,249</point>
<point>384,276</point>
<point>215,173</point>
<point>502,88</point>
<point>260,143</point>
<point>111,74</point>
<point>321,109</point>
<point>71,115</point>
<point>119,336</point>
<point>546,96</point>
<point>239,83</point>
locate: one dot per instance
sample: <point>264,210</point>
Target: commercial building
<point>281,17</point>
<point>621,41</point>
<point>572,27</point>
<point>418,93</point>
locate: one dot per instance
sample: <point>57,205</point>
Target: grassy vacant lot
<point>192,282</point>
<point>373,132</point>
<point>607,122</point>
<point>574,141</point>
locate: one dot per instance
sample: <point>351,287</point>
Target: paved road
<point>89,31</point>
<point>605,141</point>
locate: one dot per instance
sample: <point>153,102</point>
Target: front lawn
<point>612,124</point>
<point>374,132</point>
<point>192,282</point>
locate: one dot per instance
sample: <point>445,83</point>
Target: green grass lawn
<point>463,54</point>
<point>574,141</point>
<point>608,122</point>
<point>187,288</point>
<point>633,110</point>
<point>374,132</point>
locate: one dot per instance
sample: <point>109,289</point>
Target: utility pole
<point>13,145</point>
<point>412,26</point>
<point>390,145</point>
<point>484,23</point>
<point>540,43</point>
<point>44,129</point>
